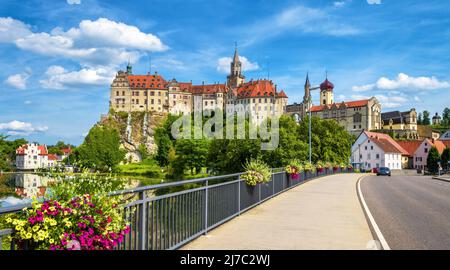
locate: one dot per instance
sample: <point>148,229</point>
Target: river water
<point>19,188</point>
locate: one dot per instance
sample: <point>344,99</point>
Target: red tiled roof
<point>410,146</point>
<point>440,146</point>
<point>208,89</point>
<point>185,86</point>
<point>259,88</point>
<point>42,150</point>
<point>152,81</point>
<point>386,145</point>
<point>282,94</point>
<point>52,157</point>
<point>349,104</point>
<point>21,149</point>
<point>66,150</point>
<point>386,139</point>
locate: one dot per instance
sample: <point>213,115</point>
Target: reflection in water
<point>30,185</point>
<point>21,187</point>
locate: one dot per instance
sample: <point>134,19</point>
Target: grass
<point>148,168</point>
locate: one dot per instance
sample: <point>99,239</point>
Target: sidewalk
<point>321,214</point>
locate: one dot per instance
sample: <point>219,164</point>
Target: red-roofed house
<point>410,147</point>
<point>33,156</point>
<point>374,150</point>
<point>421,153</point>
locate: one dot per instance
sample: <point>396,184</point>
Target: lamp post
<point>309,120</point>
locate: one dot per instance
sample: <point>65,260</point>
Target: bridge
<point>319,210</point>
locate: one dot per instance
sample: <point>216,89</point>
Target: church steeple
<point>129,68</point>
<point>235,78</point>
<point>307,89</point>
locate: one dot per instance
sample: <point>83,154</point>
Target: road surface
<point>412,212</point>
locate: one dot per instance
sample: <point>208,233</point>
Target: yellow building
<point>152,93</point>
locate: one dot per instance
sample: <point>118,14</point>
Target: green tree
<point>426,118</point>
<point>191,155</point>
<point>100,149</point>
<point>432,160</point>
<point>290,144</point>
<point>420,119</point>
<point>446,117</point>
<point>445,157</point>
<point>8,152</point>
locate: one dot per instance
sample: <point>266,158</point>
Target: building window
<point>357,118</point>
<point>377,156</point>
<point>426,150</point>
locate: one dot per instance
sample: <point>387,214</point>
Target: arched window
<point>357,118</point>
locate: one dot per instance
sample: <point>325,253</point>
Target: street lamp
<point>309,120</point>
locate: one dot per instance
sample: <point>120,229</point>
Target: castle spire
<point>236,54</point>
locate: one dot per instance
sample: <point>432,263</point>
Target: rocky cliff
<point>136,130</point>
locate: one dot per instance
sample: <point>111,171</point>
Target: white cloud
<point>28,102</point>
<point>374,2</point>
<point>18,81</point>
<point>339,3</point>
<point>223,64</point>
<point>11,29</point>
<point>391,101</point>
<point>21,128</point>
<point>104,32</point>
<point>96,43</point>
<point>363,88</point>
<point>59,78</point>
<point>403,81</point>
<point>73,2</point>
<point>298,19</point>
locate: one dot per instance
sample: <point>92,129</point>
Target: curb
<point>372,224</point>
<point>441,179</point>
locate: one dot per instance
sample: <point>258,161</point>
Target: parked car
<point>375,170</point>
<point>384,171</point>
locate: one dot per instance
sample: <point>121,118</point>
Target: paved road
<point>413,212</point>
<point>321,214</point>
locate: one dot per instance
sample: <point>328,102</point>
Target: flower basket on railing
<point>320,166</point>
<point>83,222</point>
<point>294,169</point>
<point>256,171</point>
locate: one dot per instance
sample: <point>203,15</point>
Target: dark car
<point>384,171</point>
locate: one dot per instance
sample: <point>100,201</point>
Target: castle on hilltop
<point>153,93</point>
<point>354,116</point>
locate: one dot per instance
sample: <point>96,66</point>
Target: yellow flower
<point>51,241</point>
<point>36,228</point>
<point>9,220</point>
<point>18,228</point>
<point>53,222</point>
<point>28,235</point>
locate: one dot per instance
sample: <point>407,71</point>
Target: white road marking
<point>380,236</point>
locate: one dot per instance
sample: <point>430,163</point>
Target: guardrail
<point>168,221</point>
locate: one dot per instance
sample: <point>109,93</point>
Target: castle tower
<point>235,78</point>
<point>326,92</point>
<point>129,68</point>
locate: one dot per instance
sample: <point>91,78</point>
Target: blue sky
<point>57,57</point>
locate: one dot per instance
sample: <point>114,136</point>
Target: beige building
<point>400,124</point>
<point>354,116</point>
<point>152,93</point>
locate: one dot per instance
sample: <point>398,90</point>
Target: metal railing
<point>163,219</point>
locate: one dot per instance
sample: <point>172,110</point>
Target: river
<point>19,188</point>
